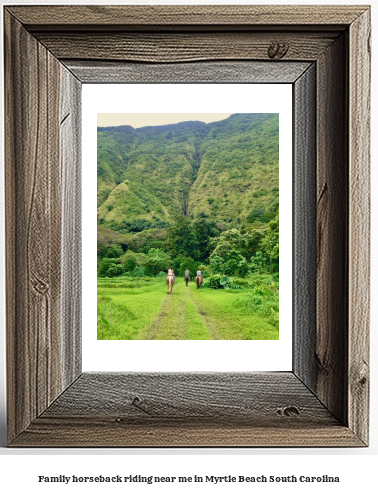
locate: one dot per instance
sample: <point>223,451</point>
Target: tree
<point>157,261</point>
<point>112,252</point>
<point>204,230</point>
<point>229,255</point>
<point>270,244</point>
<point>182,263</point>
<point>181,239</point>
<point>130,264</point>
<point>109,268</point>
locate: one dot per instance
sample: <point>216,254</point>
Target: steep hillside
<point>238,170</point>
<point>226,171</point>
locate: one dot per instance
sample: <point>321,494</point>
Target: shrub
<point>115,270</point>
<point>256,214</point>
<point>103,267</point>
<point>138,272</point>
<point>130,264</point>
<point>156,261</point>
<point>262,301</point>
<point>240,281</point>
<point>214,281</point>
<point>221,281</point>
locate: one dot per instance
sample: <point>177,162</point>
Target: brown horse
<point>186,280</point>
<point>198,281</point>
<point>170,281</point>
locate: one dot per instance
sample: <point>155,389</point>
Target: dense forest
<point>190,195</point>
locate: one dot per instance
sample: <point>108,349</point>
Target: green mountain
<point>226,171</point>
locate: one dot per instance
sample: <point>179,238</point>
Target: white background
<point>204,355</point>
<point>356,467</point>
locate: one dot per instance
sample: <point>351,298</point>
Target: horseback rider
<point>199,278</point>
<point>171,273</point>
<point>187,277</point>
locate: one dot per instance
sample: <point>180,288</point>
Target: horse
<point>186,280</point>
<point>198,281</point>
<point>170,281</point>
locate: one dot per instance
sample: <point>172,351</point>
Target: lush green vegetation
<point>228,170</point>
<point>192,245</point>
<point>192,196</point>
<point>140,309</point>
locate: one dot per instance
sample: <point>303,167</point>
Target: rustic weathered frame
<point>49,52</point>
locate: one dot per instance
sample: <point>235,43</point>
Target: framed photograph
<point>323,54</point>
<point>198,192</point>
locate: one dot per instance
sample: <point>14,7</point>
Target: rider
<point>171,273</point>
<point>199,273</point>
<point>187,277</point>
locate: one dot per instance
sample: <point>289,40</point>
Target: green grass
<point>229,320</point>
<point>126,307</point>
<point>141,309</point>
<point>179,319</point>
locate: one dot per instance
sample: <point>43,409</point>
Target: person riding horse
<point>199,278</point>
<point>187,277</point>
<point>170,279</point>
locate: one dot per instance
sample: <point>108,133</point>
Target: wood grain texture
<point>33,227</point>
<point>332,230</point>
<point>91,16</point>
<point>304,227</point>
<point>263,398</point>
<point>33,193</point>
<point>180,47</point>
<point>359,226</point>
<point>99,432</point>
<point>202,72</point>
<point>70,161</point>
<point>186,410</point>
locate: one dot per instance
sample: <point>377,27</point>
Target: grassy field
<point>140,309</point>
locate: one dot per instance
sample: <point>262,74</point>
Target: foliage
<point>258,263</point>
<point>214,281</point>
<point>138,272</point>
<point>223,169</point>
<point>217,281</point>
<point>204,231</point>
<point>192,195</point>
<point>156,261</point>
<point>130,264</point>
<point>181,239</point>
<point>263,300</point>
<point>231,251</point>
<point>109,268</point>
<point>270,244</point>
<point>257,213</point>
<point>182,263</point>
<point>112,252</point>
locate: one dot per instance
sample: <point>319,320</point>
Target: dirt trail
<point>208,320</point>
<point>180,318</point>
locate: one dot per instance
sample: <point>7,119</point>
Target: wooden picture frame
<point>324,52</point>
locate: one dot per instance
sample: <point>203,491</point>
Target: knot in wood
<point>41,287</point>
<point>277,50</point>
<point>136,400</point>
<point>288,411</point>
